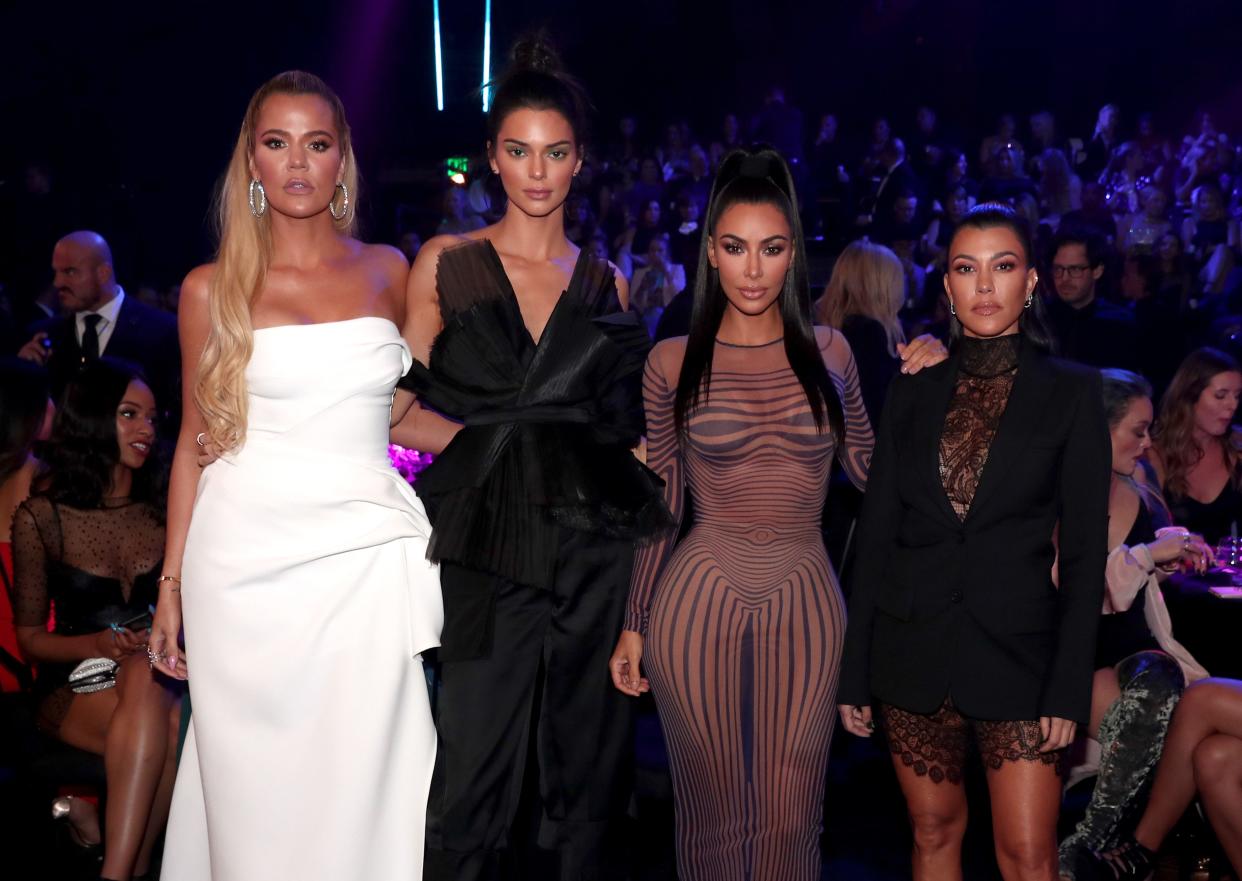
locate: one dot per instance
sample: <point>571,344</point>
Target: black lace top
<point>87,569</point>
<point>548,426</point>
<point>984,381</point>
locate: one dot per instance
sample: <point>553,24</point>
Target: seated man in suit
<point>101,319</point>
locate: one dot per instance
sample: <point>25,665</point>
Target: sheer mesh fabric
<point>744,619</point>
<point>91,567</point>
<point>984,382</point>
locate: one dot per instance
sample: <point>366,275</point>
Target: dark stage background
<point>135,106</point>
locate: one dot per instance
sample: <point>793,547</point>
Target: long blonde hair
<point>866,280</point>
<point>242,260</point>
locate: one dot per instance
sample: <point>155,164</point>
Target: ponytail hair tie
<point>755,166</point>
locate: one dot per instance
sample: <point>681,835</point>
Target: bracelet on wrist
<point>172,580</point>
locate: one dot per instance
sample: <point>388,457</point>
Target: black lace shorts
<point>936,746</point>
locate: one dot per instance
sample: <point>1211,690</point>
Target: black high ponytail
<point>756,177</point>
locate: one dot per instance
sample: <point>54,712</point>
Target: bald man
<point>101,320</point>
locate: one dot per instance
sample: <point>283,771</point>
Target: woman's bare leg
<point>1218,774</point>
<point>1209,707</point>
<point>135,756</point>
<point>1026,798</point>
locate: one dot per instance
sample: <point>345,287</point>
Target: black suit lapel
<point>1032,390</point>
<point>126,332</point>
<point>933,406</point>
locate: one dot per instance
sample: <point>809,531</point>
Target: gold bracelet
<point>172,579</point>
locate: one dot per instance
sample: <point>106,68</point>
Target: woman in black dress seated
<point>535,500</point>
<point>1197,454</point>
<point>955,627</point>
<point>91,545</point>
<point>1140,669</point>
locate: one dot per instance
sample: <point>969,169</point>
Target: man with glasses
<point>1089,330</point>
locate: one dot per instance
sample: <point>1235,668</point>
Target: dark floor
<point>866,835</point>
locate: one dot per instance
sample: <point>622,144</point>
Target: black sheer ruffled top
<point>548,426</point>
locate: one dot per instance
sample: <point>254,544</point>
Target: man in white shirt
<point>103,321</point>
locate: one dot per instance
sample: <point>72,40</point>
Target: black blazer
<point>943,607</point>
<point>143,335</point>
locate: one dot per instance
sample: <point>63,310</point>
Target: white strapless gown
<point>307,600</point>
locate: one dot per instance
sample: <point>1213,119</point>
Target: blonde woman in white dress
<point>297,559</point>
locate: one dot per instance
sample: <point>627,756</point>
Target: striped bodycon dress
<point>743,620</point>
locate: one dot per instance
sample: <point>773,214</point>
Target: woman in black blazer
<point>985,467</point>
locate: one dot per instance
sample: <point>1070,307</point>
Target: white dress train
<point>307,601</point>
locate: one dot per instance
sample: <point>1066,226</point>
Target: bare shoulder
<point>429,254</point>
<point>387,258</point>
<point>195,289</point>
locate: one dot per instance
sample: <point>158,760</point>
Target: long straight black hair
<point>756,177</point>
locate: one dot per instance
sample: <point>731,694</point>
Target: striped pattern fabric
<point>743,620</point>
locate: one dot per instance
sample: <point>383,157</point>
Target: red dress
<point>8,635</point>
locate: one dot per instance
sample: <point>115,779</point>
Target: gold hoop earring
<point>344,203</point>
<point>258,207</point>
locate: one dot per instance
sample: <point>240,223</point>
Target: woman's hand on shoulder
<point>921,352</point>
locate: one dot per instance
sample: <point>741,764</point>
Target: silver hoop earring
<point>344,203</point>
<point>952,309</point>
<point>1030,298</point>
<point>258,207</point>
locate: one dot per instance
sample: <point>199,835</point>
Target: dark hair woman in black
<point>739,626</point>
<point>534,496</point>
<point>988,469</point>
<point>91,545</point>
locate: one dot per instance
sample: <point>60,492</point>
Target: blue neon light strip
<point>487,53</point>
<point>435,11</point>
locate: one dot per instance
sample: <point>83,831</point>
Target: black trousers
<point>546,674</point>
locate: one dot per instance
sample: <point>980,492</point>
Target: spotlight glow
<point>487,53</point>
<point>435,12</point>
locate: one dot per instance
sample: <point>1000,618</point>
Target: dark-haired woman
<point>25,416</point>
<point>1197,454</point>
<point>1140,669</point>
<point>956,630</point>
<point>739,628</point>
<point>91,545</point>
<point>535,497</point>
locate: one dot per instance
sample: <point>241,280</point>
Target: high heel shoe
<point>62,809</point>
<point>1128,861</point>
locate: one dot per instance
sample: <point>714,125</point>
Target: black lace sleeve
<point>30,597</point>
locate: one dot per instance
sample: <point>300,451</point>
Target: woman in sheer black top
<point>89,548</point>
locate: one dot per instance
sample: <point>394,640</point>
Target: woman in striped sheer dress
<point>739,628</point>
